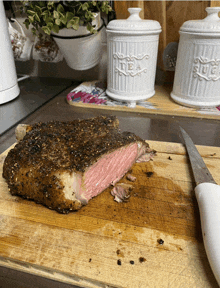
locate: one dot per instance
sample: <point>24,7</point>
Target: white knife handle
<point>208,198</point>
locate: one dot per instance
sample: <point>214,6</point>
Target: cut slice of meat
<point>131,177</point>
<point>121,192</point>
<point>62,165</point>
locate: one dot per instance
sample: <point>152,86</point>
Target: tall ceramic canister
<point>197,74</point>
<point>132,48</point>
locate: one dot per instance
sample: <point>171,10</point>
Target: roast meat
<point>62,165</point>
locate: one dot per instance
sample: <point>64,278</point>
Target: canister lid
<point>134,23</point>
<point>210,24</point>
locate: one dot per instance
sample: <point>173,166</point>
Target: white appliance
<point>8,78</point>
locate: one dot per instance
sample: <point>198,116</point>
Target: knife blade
<point>208,198</point>
<point>200,171</point>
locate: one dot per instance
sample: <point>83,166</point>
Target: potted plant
<point>74,25</point>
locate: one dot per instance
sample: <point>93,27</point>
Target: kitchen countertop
<point>34,92</point>
<point>148,126</point>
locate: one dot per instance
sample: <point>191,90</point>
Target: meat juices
<point>62,165</point>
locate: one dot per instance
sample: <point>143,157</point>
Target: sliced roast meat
<point>62,165</point>
<point>131,177</point>
<point>121,192</point>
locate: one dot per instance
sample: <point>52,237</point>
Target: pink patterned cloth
<point>84,97</point>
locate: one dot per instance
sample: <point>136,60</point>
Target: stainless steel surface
<point>200,171</point>
<point>33,94</point>
<point>10,278</point>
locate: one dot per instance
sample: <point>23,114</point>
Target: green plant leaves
<point>91,29</point>
<point>56,15</point>
<point>30,12</point>
<point>48,20</point>
<point>33,30</point>
<point>69,15</point>
<point>58,22</point>
<point>63,20</point>
<point>38,10</point>
<point>60,8</point>
<point>73,23</point>
<point>26,23</point>
<point>31,19</point>
<point>55,28</point>
<point>50,25</point>
<point>85,6</point>
<point>37,17</point>
<point>46,30</point>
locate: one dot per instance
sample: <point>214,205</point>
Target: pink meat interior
<point>110,168</point>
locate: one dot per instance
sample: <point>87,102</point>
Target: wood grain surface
<point>153,240</point>
<point>160,104</point>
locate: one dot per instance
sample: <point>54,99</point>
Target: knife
<point>208,198</point>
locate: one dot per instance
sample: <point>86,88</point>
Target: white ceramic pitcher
<point>21,44</point>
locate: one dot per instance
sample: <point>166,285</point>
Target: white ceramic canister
<point>132,48</point>
<point>197,74</point>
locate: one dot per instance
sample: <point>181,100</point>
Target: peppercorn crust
<point>31,167</point>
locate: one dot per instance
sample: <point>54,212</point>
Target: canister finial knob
<point>134,14</point>
<point>212,13</point>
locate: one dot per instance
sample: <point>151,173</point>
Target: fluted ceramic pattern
<point>131,66</point>
<point>197,75</point>
<point>132,57</point>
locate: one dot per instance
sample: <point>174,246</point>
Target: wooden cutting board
<point>153,240</point>
<point>160,104</point>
